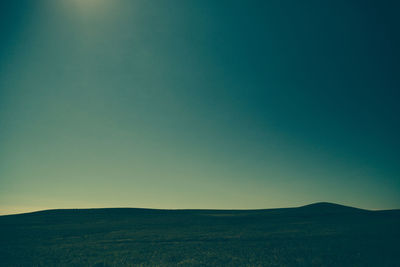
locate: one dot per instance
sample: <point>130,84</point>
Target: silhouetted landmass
<point>321,234</point>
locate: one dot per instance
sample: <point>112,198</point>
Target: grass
<point>322,234</point>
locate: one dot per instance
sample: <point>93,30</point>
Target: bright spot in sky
<point>88,2</point>
<point>89,6</point>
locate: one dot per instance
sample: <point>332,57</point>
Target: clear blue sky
<point>198,104</point>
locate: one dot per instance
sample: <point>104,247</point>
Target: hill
<point>321,234</point>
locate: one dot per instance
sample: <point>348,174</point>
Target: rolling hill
<point>320,234</point>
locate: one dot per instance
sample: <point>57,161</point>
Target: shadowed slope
<point>326,207</point>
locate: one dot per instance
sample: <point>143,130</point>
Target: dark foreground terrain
<point>321,234</point>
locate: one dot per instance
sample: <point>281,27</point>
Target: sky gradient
<point>198,104</point>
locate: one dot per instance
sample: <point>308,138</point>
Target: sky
<point>198,104</point>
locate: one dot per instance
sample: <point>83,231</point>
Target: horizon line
<point>196,209</point>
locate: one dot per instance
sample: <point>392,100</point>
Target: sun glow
<point>89,3</point>
<point>89,7</point>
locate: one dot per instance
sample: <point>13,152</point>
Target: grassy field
<point>321,234</point>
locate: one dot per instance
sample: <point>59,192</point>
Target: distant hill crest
<point>328,206</point>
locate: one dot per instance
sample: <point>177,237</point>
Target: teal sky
<point>198,104</point>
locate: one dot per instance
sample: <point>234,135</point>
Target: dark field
<point>321,234</point>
